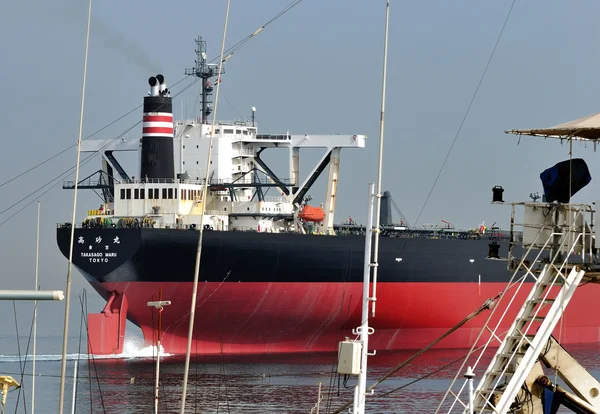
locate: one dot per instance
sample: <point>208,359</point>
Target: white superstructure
<point>244,194</point>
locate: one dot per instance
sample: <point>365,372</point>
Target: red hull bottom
<point>262,318</point>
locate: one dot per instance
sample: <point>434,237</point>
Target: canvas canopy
<point>583,129</point>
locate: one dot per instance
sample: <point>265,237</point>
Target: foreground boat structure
<point>559,255</point>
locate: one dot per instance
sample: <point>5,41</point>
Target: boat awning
<point>582,129</point>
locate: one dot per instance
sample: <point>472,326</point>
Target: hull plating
<point>277,293</point>
<point>246,318</point>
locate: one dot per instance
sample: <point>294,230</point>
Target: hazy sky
<point>315,70</point>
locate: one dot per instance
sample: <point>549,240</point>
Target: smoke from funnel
<point>117,42</point>
<point>110,37</point>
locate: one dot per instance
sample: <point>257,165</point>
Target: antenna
<point>204,71</point>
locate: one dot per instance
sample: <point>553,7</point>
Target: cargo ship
<point>276,275</point>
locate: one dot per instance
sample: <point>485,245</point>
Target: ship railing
<point>255,229</point>
<point>272,199</point>
<point>273,137</point>
<point>244,123</point>
<point>106,212</point>
<point>211,182</point>
<point>215,213</point>
<point>132,224</point>
<point>161,181</point>
<point>243,152</point>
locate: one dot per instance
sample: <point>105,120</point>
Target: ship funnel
<point>153,82</point>
<point>162,88</point>
<point>157,160</point>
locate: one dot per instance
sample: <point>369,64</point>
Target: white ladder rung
<point>542,301</point>
<point>534,319</point>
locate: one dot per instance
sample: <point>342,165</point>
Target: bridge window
<point>150,194</point>
<point>136,194</point>
<point>156,193</point>
<point>122,194</point>
<point>228,131</point>
<point>175,193</point>
<point>129,194</point>
<point>164,193</point>
<point>142,195</point>
<point>170,192</point>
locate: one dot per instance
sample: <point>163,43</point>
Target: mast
<point>380,161</point>
<point>360,392</point>
<point>35,304</point>
<point>204,194</point>
<point>205,71</point>
<point>70,266</point>
<point>364,330</point>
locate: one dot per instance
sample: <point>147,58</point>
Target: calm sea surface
<point>254,384</point>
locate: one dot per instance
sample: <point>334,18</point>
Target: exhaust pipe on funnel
<point>162,89</point>
<point>153,82</point>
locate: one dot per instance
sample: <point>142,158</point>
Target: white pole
<point>363,330</point>
<point>380,162</point>
<point>37,268</point>
<point>63,368</point>
<point>318,396</point>
<point>31,295</point>
<point>157,374</point>
<point>469,375</point>
<point>160,304</point>
<point>199,249</point>
<point>74,386</point>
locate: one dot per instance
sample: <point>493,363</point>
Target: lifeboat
<point>310,213</point>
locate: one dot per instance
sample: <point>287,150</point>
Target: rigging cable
<point>466,113</point>
<point>81,316</point>
<point>229,52</point>
<point>91,355</point>
<point>21,362</point>
<point>69,170</point>
<point>73,145</point>
<point>429,374</point>
<point>245,40</point>
<point>488,304</point>
<point>25,366</point>
<point>202,211</point>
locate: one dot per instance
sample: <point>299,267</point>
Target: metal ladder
<point>520,348</point>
